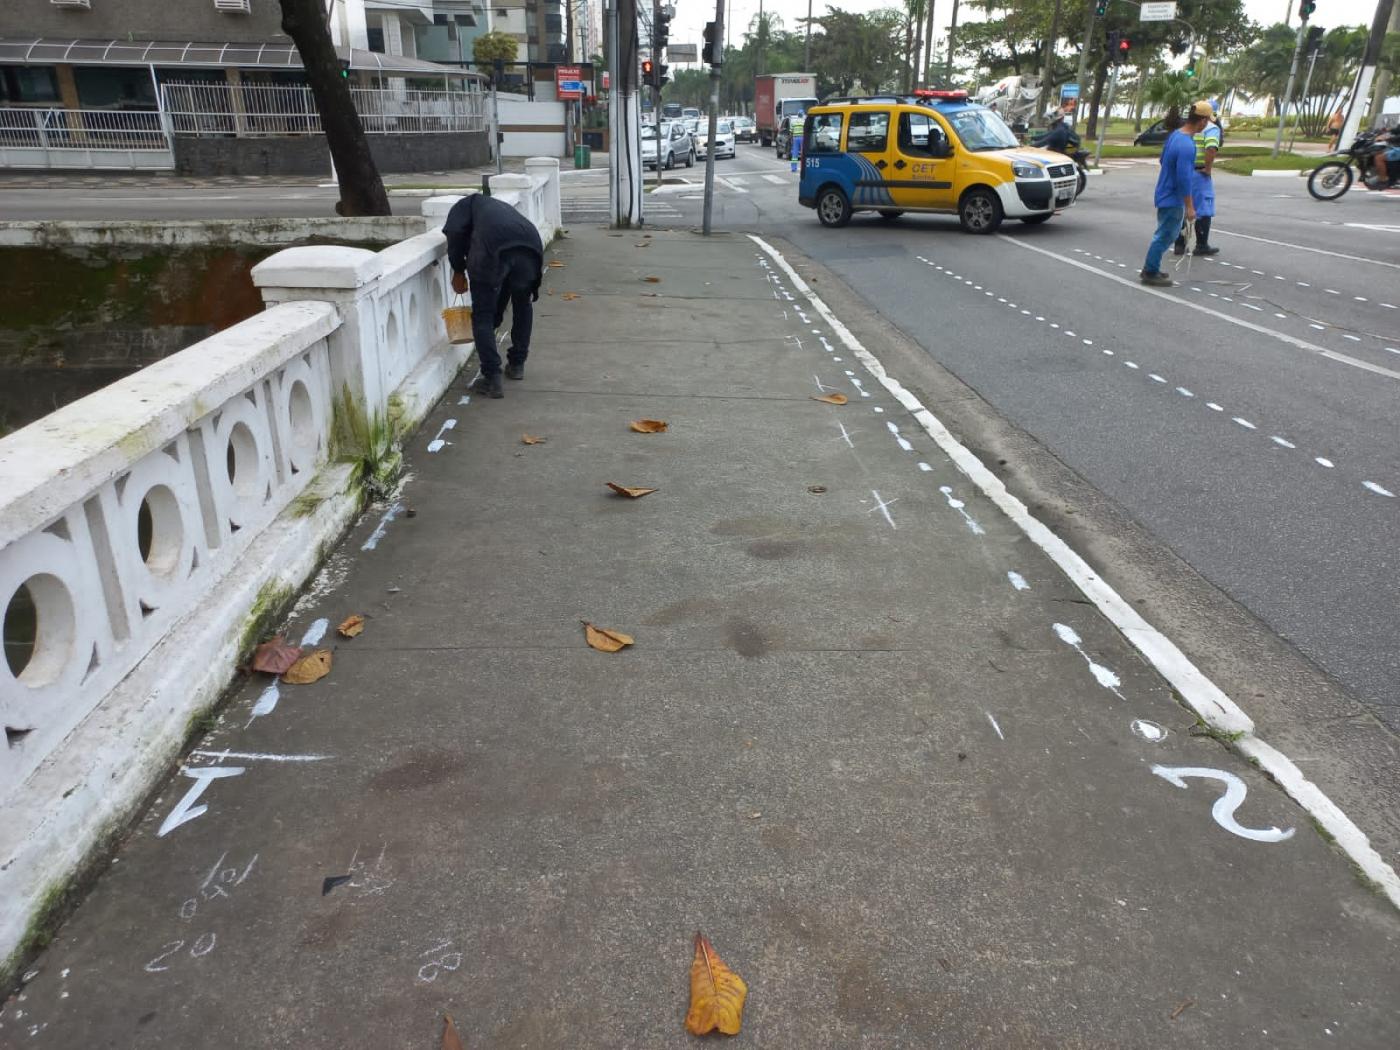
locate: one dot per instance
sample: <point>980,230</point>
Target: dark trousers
<point>1202,234</point>
<point>517,275</point>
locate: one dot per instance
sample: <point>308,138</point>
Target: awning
<point>194,55</point>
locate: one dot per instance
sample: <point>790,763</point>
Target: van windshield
<point>981,129</point>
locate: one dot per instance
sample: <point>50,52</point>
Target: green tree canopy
<point>495,45</point>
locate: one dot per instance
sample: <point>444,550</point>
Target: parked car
<point>782,138</point>
<point>1154,135</point>
<point>745,129</point>
<point>673,145</point>
<point>724,140</point>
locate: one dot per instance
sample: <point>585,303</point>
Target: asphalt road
<point>1246,418</point>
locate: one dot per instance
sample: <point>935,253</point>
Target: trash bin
<point>583,156</point>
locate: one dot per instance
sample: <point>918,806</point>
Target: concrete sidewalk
<point>869,739</point>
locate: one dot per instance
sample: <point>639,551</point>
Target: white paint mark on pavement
<point>883,507</point>
<point>185,810</point>
<point>259,756</point>
<point>1149,731</point>
<point>1244,423</point>
<point>1284,442</point>
<point>1224,809</point>
<point>379,530</point>
<point>1018,581</point>
<point>1377,489</point>
<point>961,507</point>
<point>437,443</point>
<point>1323,462</point>
<point>1103,675</point>
<point>992,720</point>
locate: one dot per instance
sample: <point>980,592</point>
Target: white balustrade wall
<point>143,519</point>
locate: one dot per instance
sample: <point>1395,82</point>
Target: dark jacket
<point>479,229</point>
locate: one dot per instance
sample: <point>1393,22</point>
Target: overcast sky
<point>691,15</point>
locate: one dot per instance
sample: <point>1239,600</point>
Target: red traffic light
<point>647,67</point>
<point>1124,46</point>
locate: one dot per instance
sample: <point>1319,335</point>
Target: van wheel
<point>890,216</point>
<point>980,211</point>
<point>833,209</point>
<point>1036,220</point>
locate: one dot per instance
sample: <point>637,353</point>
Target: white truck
<point>779,95</point>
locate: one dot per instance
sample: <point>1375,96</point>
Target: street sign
<point>683,52</point>
<point>1068,91</point>
<point>1157,12</point>
<point>568,81</point>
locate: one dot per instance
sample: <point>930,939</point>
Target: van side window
<point>823,134</point>
<point>868,132</point>
<point>919,135</point>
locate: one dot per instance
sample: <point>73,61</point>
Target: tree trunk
<point>908,53</point>
<point>1143,74</point>
<point>1382,89</point>
<point>1100,75</point>
<point>926,70</point>
<point>914,74</point>
<point>952,43</point>
<point>1047,68</point>
<point>361,189</point>
<point>569,32</point>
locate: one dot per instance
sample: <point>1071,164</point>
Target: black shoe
<point>1179,248</point>
<point>1206,249</point>
<point>1157,280</point>
<point>487,386</point>
<point>515,371</point>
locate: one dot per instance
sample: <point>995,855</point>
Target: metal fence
<point>87,129</point>
<point>250,110</point>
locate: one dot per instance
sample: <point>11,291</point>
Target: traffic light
<point>1314,39</point>
<point>660,31</point>
<point>1191,68</point>
<point>1124,46</point>
<point>1101,8</point>
<point>648,71</point>
<point>1306,8</point>
<point>1113,38</point>
<point>663,74</point>
<point>714,47</point>
<point>344,69</point>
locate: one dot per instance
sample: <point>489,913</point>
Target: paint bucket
<point>459,322</point>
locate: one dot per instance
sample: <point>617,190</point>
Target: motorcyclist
<point>1061,137</point>
<point>1384,159</point>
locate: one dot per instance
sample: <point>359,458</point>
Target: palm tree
<point>1176,91</point>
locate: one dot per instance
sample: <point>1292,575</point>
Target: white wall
<point>547,117</point>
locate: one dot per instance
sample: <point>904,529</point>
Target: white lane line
<point>262,756</point>
<point>776,179</point>
<point>1018,581</point>
<point>1245,423</point>
<point>1305,248</point>
<point>1214,407</point>
<point>732,186</point>
<point>1323,462</point>
<point>1378,490</point>
<point>1281,441</point>
<point>1155,377</point>
<point>1197,691</point>
<point>1137,286</point>
<point>1184,392</point>
<point>994,724</point>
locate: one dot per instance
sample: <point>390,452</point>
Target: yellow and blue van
<point>933,151</point>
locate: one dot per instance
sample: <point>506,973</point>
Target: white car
<point>724,139</point>
<point>673,146</point>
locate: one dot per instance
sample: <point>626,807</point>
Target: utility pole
<point>952,38</point>
<point>1366,76</point>
<point>714,35</point>
<point>1116,59</point>
<point>807,47</point>
<point>656,80</point>
<point>624,124</point>
<point>1382,90</point>
<point>1292,79</point>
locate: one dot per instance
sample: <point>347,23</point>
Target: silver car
<point>724,139</point>
<point>673,146</point>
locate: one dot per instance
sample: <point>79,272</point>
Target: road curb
<point>1197,692</point>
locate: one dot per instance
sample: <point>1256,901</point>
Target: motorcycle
<point>1081,161</point>
<point>1329,181</point>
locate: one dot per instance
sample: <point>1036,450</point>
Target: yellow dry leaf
<point>717,993</point>
<point>555,264</point>
<point>604,639</point>
<point>652,280</point>
<point>649,426</point>
<point>530,439</point>
<point>352,626</point>
<point>450,1039</point>
<point>569,297</point>
<point>310,668</point>
<point>630,493</point>
<point>831,399</point>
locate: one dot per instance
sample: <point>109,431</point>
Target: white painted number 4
<point>1224,809</point>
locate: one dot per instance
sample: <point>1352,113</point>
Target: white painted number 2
<point>203,945</point>
<point>1224,809</point>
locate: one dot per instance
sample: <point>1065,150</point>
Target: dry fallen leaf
<point>310,668</point>
<point>569,297</point>
<point>630,493</point>
<point>555,264</point>
<point>649,426</point>
<point>605,640</point>
<point>275,656</point>
<point>530,439</point>
<point>643,244</point>
<point>652,280</point>
<point>831,399</point>
<point>450,1039</point>
<point>352,626</point>
<point>717,993</point>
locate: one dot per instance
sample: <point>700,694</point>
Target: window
<point>823,133</point>
<point>869,132</point>
<point>981,129</point>
<point>28,84</point>
<point>920,135</point>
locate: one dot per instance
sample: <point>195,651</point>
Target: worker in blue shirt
<point>1173,195</point>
